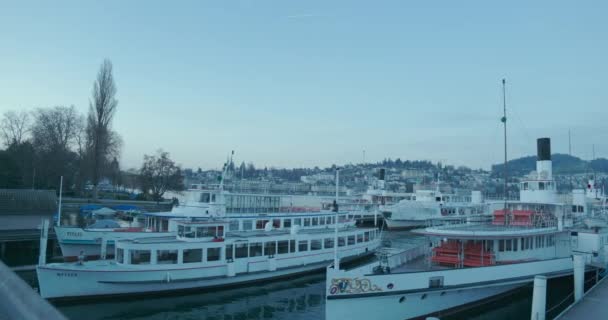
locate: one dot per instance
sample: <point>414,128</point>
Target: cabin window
<point>307,222</point>
<point>166,256</point>
<point>574,208</point>
<point>140,256</point>
<point>489,245</point>
<point>328,220</point>
<point>181,229</point>
<point>287,223</point>
<point>351,240</point>
<point>255,249</point>
<point>202,232</point>
<point>240,251</point>
<point>315,221</point>
<point>234,225</point>
<point>366,236</point>
<point>541,186</point>
<point>522,242</point>
<point>193,255</point>
<point>276,223</point>
<point>341,242</point>
<point>508,245</point>
<point>581,209</point>
<point>525,186</point>
<point>270,248</point>
<point>322,221</point>
<point>297,221</point>
<point>292,246</point>
<point>359,238</point>
<point>229,255</point>
<point>303,245</point>
<point>213,254</point>
<point>283,247</point>
<point>333,220</point>
<point>329,243</point>
<point>514,244</point>
<point>501,245</point>
<point>435,282</point>
<point>315,245</point>
<point>212,198</point>
<point>247,225</point>
<point>120,255</point>
<point>205,197</point>
<point>260,224</point>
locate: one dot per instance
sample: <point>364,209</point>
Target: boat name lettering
<point>356,285</point>
<point>74,234</point>
<point>67,274</point>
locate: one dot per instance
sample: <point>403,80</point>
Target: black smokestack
<point>381,174</point>
<point>543,147</point>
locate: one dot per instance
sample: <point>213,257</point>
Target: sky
<point>316,83</point>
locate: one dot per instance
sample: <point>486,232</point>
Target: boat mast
<point>59,210</point>
<point>504,121</point>
<point>336,257</point>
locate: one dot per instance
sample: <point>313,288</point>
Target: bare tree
<point>102,108</point>
<point>55,133</point>
<point>160,174</point>
<point>14,127</point>
<point>56,128</point>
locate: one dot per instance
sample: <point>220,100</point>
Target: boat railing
<point>389,259</point>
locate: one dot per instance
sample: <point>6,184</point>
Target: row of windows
<point>248,225</point>
<point>539,186</point>
<point>245,250</point>
<point>527,243</point>
<point>242,250</point>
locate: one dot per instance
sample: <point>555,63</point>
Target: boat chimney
<point>544,168</point>
<point>381,178</point>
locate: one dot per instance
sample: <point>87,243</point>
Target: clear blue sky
<point>305,83</point>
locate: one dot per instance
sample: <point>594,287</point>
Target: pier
<point>591,306</point>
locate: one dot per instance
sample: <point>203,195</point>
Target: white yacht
<point>204,255</point>
<point>469,263</point>
<point>432,206</point>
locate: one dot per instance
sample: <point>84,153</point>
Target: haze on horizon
<point>304,84</point>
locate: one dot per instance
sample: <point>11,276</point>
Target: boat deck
<point>485,229</point>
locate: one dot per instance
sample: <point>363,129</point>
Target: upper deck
<point>485,231</point>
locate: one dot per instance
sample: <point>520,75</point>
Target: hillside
<point>562,164</point>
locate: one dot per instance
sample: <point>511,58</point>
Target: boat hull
<point>392,224</point>
<point>69,284</point>
<point>74,241</point>
<point>409,296</point>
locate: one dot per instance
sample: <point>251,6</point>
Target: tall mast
<point>504,121</point>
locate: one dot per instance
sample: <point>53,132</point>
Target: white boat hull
<point>404,224</point>
<point>105,278</point>
<point>74,241</point>
<point>364,295</point>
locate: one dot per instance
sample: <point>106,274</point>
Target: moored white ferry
<point>469,263</point>
<point>202,255</point>
<point>425,206</point>
<point>201,204</point>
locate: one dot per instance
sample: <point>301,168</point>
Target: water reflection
<point>302,298</point>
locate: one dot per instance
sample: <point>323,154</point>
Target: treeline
<point>47,143</point>
<point>50,142</point>
<point>562,164</point>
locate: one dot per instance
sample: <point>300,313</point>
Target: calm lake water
<point>302,298</point>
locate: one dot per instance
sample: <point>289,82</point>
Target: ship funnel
<point>543,147</point>
<point>544,167</point>
<point>381,174</point>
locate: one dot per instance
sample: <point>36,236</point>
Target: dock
<point>592,306</point>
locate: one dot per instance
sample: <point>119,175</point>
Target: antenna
<point>504,121</point>
<point>59,211</point>
<point>570,154</point>
<point>336,256</point>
